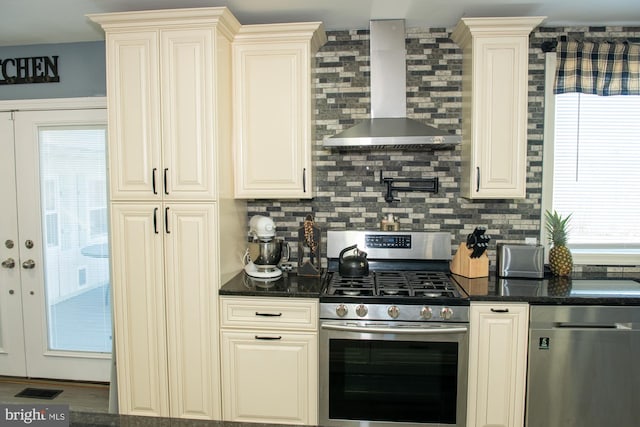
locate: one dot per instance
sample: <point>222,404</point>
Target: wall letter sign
<point>37,69</point>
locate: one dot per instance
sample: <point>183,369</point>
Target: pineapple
<point>560,260</point>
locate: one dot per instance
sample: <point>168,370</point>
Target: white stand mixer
<point>265,251</point>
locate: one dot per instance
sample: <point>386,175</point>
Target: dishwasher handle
<point>580,325</point>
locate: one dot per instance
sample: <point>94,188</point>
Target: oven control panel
<point>392,245</point>
<point>399,312</point>
<point>388,241</point>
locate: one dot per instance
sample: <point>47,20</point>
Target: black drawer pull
<point>268,314</point>
<point>258,337</point>
<point>500,310</point>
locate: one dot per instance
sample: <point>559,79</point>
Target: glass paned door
<point>74,222</point>
<point>63,245</point>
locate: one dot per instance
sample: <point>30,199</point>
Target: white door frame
<point>12,361</point>
<point>38,360</point>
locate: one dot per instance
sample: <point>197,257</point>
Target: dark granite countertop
<point>579,289</point>
<point>86,419</point>
<point>289,285</point>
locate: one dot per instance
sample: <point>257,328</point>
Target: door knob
<point>9,263</point>
<point>29,264</point>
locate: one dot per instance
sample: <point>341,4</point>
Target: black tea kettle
<point>353,265</point>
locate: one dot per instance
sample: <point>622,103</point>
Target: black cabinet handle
<point>304,180</point>
<point>477,178</point>
<point>153,180</point>
<point>155,220</point>
<point>500,310</point>
<point>166,190</point>
<point>258,337</point>
<point>166,220</point>
<point>268,314</point>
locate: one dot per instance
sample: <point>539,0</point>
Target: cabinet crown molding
<point>312,32</point>
<point>218,16</point>
<point>502,26</point>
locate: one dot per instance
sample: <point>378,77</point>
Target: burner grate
<point>351,286</point>
<point>431,284</point>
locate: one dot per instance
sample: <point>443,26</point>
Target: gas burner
<point>351,286</point>
<point>394,284</point>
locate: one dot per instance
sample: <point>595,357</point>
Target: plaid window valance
<point>604,68</point>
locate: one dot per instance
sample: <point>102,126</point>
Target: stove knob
<point>362,310</point>
<point>341,310</point>
<point>393,311</point>
<point>426,313</point>
<point>446,313</point>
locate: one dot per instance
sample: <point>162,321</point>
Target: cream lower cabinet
<point>498,341</point>
<point>269,360</point>
<point>166,313</point>
<point>273,109</point>
<point>495,65</point>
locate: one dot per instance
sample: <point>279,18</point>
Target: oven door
<point>378,374</point>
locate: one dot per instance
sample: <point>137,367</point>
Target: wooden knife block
<point>463,265</point>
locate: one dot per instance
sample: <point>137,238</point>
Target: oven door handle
<point>383,330</point>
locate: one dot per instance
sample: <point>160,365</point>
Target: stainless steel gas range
<point>393,342</point>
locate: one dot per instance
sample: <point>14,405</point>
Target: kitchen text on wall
<point>36,69</point>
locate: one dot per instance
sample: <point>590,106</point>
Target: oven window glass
<point>396,381</point>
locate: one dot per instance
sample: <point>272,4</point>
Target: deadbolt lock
<point>8,244</point>
<point>29,244</point>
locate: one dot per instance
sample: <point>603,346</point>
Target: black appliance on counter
<point>393,343</point>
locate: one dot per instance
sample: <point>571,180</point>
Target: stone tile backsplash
<point>348,192</point>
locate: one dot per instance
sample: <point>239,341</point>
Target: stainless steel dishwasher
<point>584,366</point>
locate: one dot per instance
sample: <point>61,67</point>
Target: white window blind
<point>596,173</point>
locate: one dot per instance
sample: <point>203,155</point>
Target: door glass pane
<point>75,232</point>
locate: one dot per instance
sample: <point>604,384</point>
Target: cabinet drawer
<point>269,313</point>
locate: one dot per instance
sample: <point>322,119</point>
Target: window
<point>50,210</point>
<point>591,169</point>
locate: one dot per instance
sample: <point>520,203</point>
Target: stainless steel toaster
<point>520,260</point>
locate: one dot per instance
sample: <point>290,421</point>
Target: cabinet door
<point>192,321</point>
<point>500,89</point>
<point>139,309</point>
<point>189,157</point>
<point>498,340</point>
<point>270,377</point>
<point>134,116</point>
<point>272,120</point>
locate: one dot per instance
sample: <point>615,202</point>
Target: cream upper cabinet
<point>269,352</point>
<point>495,65</point>
<point>498,340</point>
<point>273,109</point>
<point>163,110</point>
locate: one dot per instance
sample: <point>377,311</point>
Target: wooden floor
<point>84,397</point>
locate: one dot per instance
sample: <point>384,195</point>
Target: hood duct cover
<point>389,124</point>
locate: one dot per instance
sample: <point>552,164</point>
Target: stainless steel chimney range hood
<point>389,125</point>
